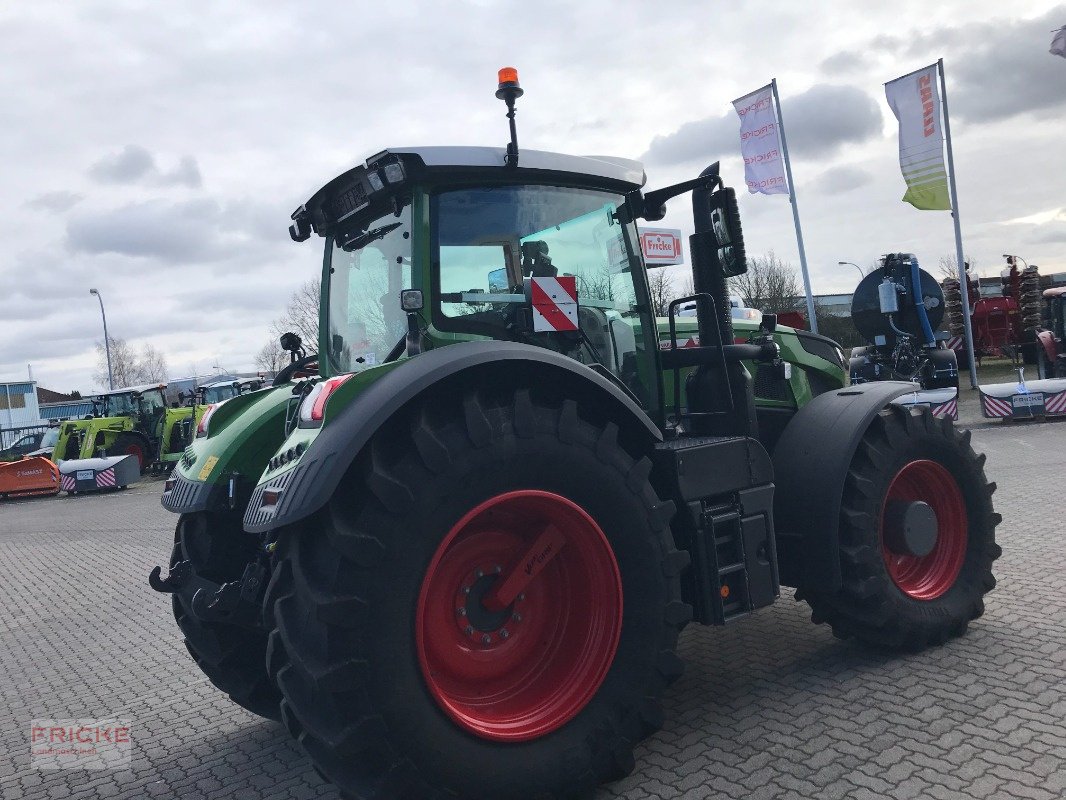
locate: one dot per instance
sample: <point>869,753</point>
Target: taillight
<point>313,406</point>
<point>201,428</point>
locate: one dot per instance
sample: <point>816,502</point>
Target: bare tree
<point>770,284</point>
<point>123,363</point>
<point>661,289</point>
<point>301,314</point>
<point>948,266</point>
<point>152,366</point>
<point>128,367</point>
<point>271,358</point>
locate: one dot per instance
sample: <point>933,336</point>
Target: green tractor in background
<point>455,561</point>
<point>125,421</point>
<point>180,422</point>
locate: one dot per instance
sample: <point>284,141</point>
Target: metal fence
<point>9,436</point>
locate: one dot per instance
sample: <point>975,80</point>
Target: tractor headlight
<point>314,405</point>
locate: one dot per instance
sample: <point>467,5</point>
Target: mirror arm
<point>654,202</point>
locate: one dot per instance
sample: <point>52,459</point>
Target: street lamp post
<point>107,342</point>
<point>842,263</point>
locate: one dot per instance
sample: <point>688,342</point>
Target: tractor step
<point>724,492</point>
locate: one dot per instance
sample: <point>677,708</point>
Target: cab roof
<point>374,184</point>
<point>144,387</point>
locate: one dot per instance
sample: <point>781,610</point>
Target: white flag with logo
<point>915,101</point>
<point>760,143</point>
<point>1058,43</point>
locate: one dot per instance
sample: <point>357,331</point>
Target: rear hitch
<point>236,602</point>
<point>179,575</point>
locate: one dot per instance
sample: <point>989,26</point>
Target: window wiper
<point>365,238</point>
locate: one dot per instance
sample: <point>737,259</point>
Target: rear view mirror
<point>725,219</point>
<point>498,283</point>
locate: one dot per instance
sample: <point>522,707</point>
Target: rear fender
<point>1046,339</point>
<point>306,487</point>
<point>811,461</point>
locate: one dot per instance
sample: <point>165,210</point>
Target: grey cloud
<point>825,117</point>
<point>187,173</point>
<point>1001,67</point>
<point>1049,233</point>
<point>818,122</point>
<point>844,61</point>
<point>128,166</point>
<point>694,141</point>
<point>838,180</point>
<point>134,164</point>
<point>58,202</point>
<point>173,232</point>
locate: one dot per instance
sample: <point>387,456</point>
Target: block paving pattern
<point>770,707</point>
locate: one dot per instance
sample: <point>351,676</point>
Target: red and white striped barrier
<point>96,474</point>
<point>554,303</point>
<point>1025,399</point>
<point>943,403</point>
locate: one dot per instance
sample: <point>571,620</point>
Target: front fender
<point>306,487</point>
<point>245,438</point>
<point>811,461</point>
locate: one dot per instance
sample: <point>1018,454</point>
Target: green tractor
<point>179,422</point>
<point>125,421</point>
<point>455,561</point>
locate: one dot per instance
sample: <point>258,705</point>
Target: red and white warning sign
<point>554,303</point>
<point>661,246</point>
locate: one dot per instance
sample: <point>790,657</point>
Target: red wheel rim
<point>928,577</point>
<point>522,672</point>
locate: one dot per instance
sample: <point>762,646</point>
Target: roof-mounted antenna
<point>509,91</point>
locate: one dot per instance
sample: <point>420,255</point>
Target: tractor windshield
<point>367,273</point>
<point>487,240</point>
<point>119,405</point>
<point>216,394</point>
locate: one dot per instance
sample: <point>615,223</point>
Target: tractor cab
<point>430,246</point>
<point>144,404</point>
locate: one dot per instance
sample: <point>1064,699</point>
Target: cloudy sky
<point>155,151</point>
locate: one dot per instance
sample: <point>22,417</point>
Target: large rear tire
<point>231,656</point>
<point>398,678</point>
<point>917,536</point>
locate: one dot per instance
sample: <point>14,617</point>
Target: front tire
<point>902,594</point>
<point>127,444</point>
<point>400,682</point>
<point>231,656</point>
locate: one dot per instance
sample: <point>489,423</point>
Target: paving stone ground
<point>772,707</point>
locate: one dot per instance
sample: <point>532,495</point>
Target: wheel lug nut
<point>480,573</point>
<point>516,617</point>
<point>486,639</point>
<point>469,630</point>
<point>521,596</point>
<point>466,590</point>
<point>504,633</point>
<point>497,569</point>
<point>461,612</point>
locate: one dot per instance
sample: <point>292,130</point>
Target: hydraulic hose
<point>919,304</point>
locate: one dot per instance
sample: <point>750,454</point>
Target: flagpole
<point>795,210</point>
<point>958,230</point>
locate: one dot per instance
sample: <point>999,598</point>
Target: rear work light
<point>313,406</point>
